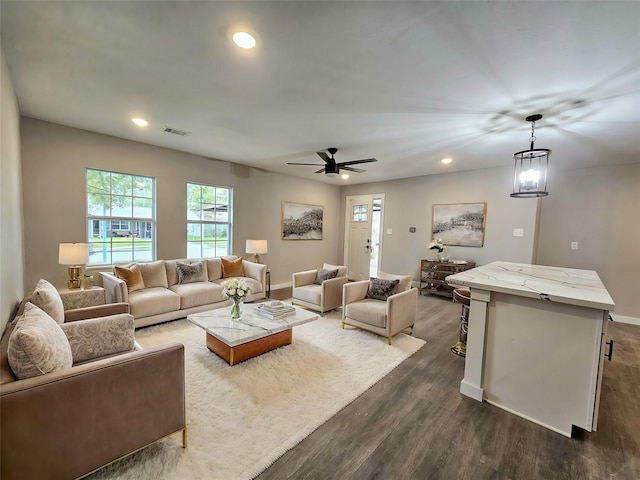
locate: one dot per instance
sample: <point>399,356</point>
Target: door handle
<point>610,354</point>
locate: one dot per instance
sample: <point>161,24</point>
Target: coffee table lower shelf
<point>245,351</point>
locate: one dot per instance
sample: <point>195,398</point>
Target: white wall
<point>54,160</point>
<point>409,202</point>
<point>11,257</point>
<point>598,207</point>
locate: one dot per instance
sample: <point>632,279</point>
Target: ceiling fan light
<point>332,174</point>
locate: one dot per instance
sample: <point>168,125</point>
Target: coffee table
<point>238,340</point>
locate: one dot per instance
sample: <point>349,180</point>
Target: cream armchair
<point>323,296</point>
<point>382,317</point>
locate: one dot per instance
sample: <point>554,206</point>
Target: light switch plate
<point>389,231</point>
<point>518,232</point>
<point>574,245</point>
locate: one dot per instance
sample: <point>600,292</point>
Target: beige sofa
<point>163,298</point>
<point>112,400</point>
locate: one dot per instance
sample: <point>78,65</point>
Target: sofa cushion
<point>369,311</point>
<point>308,293</point>
<point>342,270</point>
<point>323,274</point>
<point>198,293</point>
<point>154,274</point>
<point>232,268</point>
<point>380,289</point>
<point>99,337</point>
<point>132,277</point>
<point>192,272</point>
<point>403,284</point>
<point>37,345</point>
<point>214,268</point>
<point>172,270</point>
<point>153,301</point>
<point>47,298</point>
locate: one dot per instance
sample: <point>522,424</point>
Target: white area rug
<point>240,419</point>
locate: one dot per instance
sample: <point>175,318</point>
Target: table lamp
<point>75,255</point>
<point>256,247</point>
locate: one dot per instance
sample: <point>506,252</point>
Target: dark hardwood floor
<point>415,424</point>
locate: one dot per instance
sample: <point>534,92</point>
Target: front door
<point>359,243</point>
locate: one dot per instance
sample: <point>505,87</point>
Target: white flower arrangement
<point>437,245</point>
<point>236,289</point>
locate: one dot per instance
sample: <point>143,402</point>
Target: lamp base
<point>74,278</point>
<point>256,258</point>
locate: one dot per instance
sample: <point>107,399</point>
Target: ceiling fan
<point>332,168</point>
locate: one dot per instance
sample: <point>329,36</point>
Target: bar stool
<point>463,296</point>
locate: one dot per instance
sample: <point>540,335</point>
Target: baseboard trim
<point>624,319</point>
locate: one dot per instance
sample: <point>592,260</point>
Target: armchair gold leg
<point>389,340</point>
<point>184,437</point>
<point>343,325</point>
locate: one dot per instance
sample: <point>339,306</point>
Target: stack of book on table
<point>275,309</point>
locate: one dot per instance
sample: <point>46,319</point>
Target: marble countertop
<point>557,284</point>
<point>251,326</point>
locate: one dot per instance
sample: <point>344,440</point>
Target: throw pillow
<point>381,289</point>
<point>131,276</point>
<point>154,274</point>
<point>37,345</point>
<point>192,272</point>
<point>324,274</point>
<point>47,298</point>
<point>232,268</point>
<point>405,280</point>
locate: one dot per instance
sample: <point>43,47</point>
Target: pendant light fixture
<point>531,168</point>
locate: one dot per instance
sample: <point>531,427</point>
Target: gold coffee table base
<point>459,349</point>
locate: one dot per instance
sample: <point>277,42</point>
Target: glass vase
<point>236,309</point>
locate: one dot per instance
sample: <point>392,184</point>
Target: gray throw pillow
<point>191,272</point>
<point>323,275</point>
<point>381,289</point>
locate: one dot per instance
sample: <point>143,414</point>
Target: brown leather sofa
<point>69,423</point>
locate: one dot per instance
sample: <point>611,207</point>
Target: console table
<point>433,274</point>
<point>536,342</point>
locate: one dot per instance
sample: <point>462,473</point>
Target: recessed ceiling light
<point>344,176</point>
<point>141,122</point>
<point>244,40</point>
<point>445,161</point>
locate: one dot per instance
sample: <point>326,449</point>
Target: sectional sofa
<point>169,293</point>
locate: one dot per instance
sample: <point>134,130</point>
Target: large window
<point>121,217</point>
<point>209,216</point>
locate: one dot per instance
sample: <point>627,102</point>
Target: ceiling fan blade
<point>355,162</point>
<point>324,156</point>
<point>313,164</point>
<point>351,169</point>
<point>320,171</point>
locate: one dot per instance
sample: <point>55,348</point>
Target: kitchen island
<point>536,341</point>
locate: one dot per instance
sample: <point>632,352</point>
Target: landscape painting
<point>460,224</point>
<point>301,222</point>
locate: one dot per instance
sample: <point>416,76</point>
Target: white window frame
<point>204,222</point>
<point>107,237</point>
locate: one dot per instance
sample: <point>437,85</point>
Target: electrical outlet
<point>574,245</point>
<point>518,232</point>
<point>389,231</point>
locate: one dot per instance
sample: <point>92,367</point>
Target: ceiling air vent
<point>175,131</point>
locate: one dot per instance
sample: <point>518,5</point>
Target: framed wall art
<point>460,224</point>
<point>301,221</point>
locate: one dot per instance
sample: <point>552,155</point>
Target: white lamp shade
<point>256,246</point>
<point>73,254</point>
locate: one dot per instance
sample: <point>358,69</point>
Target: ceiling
<point>406,82</point>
